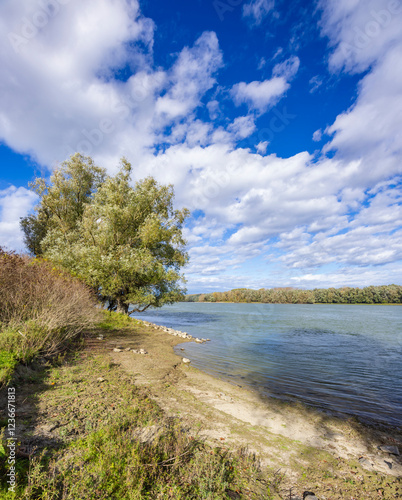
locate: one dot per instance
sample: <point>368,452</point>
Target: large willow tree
<point>125,242</point>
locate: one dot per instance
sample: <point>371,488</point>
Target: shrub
<point>41,307</point>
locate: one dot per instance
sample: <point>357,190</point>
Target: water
<point>341,358</point>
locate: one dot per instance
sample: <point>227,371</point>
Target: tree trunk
<point>121,307</point>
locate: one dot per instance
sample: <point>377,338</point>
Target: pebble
<point>308,495</point>
<point>394,450</point>
<point>116,349</point>
<point>186,360</point>
<point>139,351</point>
<point>363,461</point>
<point>171,331</point>
<point>100,379</point>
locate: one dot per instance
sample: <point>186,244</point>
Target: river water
<point>341,358</point>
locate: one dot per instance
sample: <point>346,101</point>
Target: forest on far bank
<point>386,294</point>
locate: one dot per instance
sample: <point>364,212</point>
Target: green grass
<point>117,321</point>
<point>8,362</point>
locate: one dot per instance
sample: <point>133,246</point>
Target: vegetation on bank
<point>42,310</point>
<point>100,436</point>
<point>84,430</point>
<point>389,294</point>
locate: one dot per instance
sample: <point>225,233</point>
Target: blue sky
<point>279,124</point>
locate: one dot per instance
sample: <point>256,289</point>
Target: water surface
<point>341,358</point>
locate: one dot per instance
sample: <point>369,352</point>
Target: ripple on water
<point>344,358</point>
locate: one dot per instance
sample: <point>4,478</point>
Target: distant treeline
<point>388,294</point>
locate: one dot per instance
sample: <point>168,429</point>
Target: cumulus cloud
<point>15,202</point>
<point>360,32</point>
<point>262,95</point>
<point>369,129</point>
<point>60,94</point>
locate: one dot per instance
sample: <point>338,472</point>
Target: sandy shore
<point>290,438</point>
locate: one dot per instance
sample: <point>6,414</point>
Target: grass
<point>8,362</point>
<point>111,440</point>
<point>116,321</point>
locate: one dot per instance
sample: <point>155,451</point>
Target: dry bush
<point>41,307</point>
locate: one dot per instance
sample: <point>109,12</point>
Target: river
<point>346,359</point>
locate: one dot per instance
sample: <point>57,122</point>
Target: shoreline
<point>282,433</point>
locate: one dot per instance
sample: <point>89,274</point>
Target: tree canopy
<point>387,294</point>
<point>125,242</point>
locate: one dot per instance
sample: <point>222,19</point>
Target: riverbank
<point>311,450</point>
<point>127,401</point>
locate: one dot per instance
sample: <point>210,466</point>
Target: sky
<point>279,123</point>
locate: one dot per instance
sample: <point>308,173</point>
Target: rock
<point>388,463</point>
<point>225,398</point>
<point>364,462</point>
<point>208,340</point>
<point>119,347</point>
<point>143,351</point>
<point>185,360</point>
<point>100,379</point>
<point>182,348</point>
<point>116,349</point>
<point>308,495</point>
<point>127,349</point>
<point>394,450</point>
<point>100,337</point>
<point>198,340</point>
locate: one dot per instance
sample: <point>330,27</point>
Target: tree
<point>62,202</point>
<point>125,242</point>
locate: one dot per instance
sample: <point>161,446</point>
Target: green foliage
<point>62,202</point>
<point>390,294</point>
<point>8,362</point>
<point>115,321</point>
<point>125,242</point>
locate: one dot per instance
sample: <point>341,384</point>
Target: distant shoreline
<point>297,304</point>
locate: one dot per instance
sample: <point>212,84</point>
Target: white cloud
<point>287,69</point>
<point>191,77</point>
<point>370,129</point>
<point>319,212</point>
<point>14,203</point>
<point>262,147</point>
<point>360,32</point>
<point>315,82</point>
<point>263,95</point>
<point>242,127</point>
<point>259,95</point>
<point>317,136</point>
<point>257,10</point>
